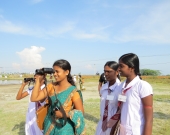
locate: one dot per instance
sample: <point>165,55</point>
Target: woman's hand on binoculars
<point>25,83</point>
<point>39,78</point>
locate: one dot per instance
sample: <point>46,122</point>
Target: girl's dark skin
<point>147,102</point>
<point>60,76</point>
<point>22,94</point>
<point>110,74</point>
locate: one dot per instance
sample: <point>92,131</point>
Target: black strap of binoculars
<point>53,116</point>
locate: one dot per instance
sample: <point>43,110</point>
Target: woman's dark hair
<point>132,61</point>
<point>65,65</point>
<point>113,65</point>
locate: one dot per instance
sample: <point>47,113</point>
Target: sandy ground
<point>91,90</point>
<point>8,92</point>
<point>15,125</point>
<point>9,105</point>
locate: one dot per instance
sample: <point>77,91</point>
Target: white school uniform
<point>112,107</point>
<point>132,116</point>
<point>31,127</point>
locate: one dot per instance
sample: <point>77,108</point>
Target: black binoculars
<point>44,71</point>
<point>29,79</point>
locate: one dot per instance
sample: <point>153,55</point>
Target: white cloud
<point>7,26</point>
<point>31,57</point>
<point>97,33</point>
<point>151,27</point>
<point>60,30</point>
<point>69,28</point>
<point>21,29</point>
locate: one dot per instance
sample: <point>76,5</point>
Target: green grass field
<point>161,123</point>
<point>12,112</point>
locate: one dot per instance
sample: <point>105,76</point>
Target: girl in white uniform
<point>136,111</point>
<point>111,72</point>
<point>31,127</point>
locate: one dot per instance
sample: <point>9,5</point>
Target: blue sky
<point>87,33</point>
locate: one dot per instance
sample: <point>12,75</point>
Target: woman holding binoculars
<point>65,111</point>
<point>31,127</point>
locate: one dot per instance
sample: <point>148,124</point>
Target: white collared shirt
<point>132,116</point>
<point>112,103</point>
<point>112,106</point>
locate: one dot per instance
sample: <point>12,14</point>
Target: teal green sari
<point>75,124</point>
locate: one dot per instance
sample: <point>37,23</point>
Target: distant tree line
<point>150,72</point>
<point>146,72</point>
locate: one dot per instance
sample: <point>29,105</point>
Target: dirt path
<point>8,92</point>
<point>91,90</point>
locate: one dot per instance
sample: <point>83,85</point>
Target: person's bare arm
<point>22,94</point>
<point>43,100</point>
<point>148,114</point>
<point>78,105</point>
<point>99,86</point>
<point>37,94</point>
